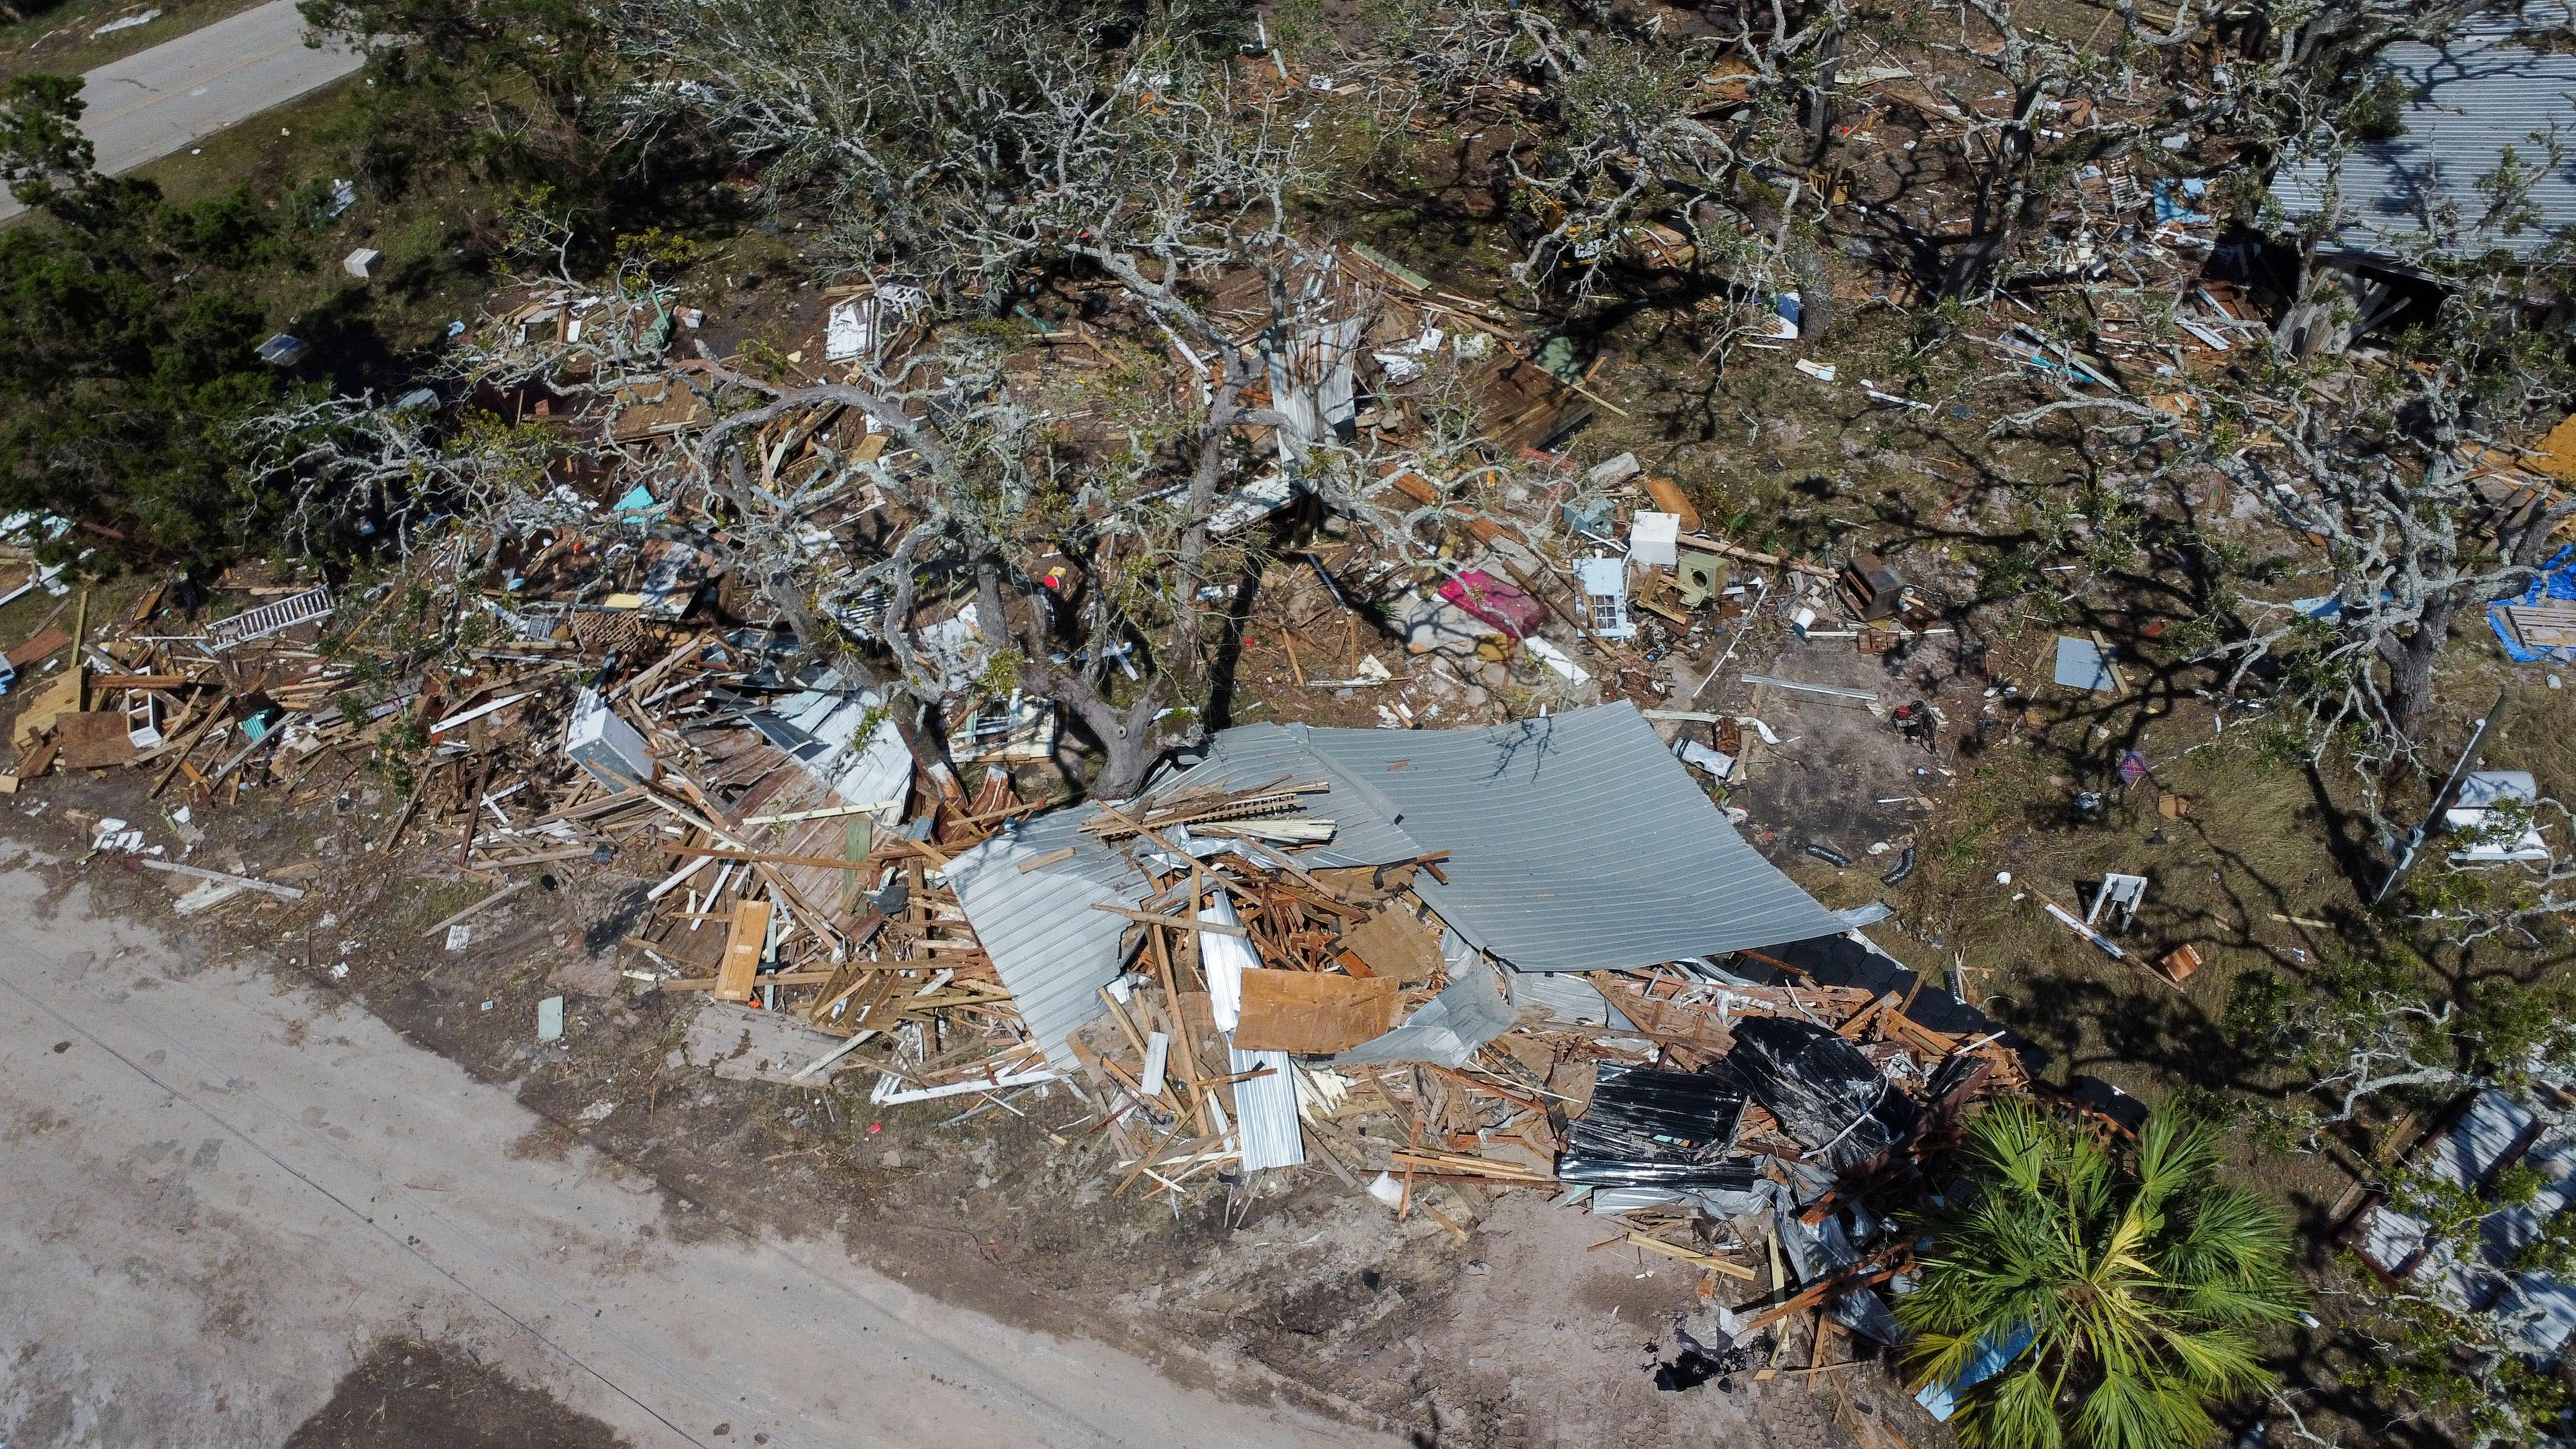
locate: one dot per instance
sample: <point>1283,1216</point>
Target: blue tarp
<point>2170,208</point>
<point>2556,584</point>
<point>1942,1400</point>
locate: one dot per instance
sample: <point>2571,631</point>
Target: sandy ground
<point>219,1192</point>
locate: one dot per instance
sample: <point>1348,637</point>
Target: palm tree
<point>2134,1286</point>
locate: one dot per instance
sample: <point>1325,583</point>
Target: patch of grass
<point>288,158</point>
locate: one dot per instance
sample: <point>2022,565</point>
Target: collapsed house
<point>1527,955</point>
<point>1555,847</point>
<point>2490,1135</point>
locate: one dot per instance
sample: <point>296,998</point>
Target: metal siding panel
<point>1050,948</point>
<point>1450,1026</point>
<point>1265,1110</point>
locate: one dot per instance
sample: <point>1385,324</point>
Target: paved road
<point>214,1195</point>
<point>159,101</point>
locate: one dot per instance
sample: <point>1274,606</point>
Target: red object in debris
<point>1497,603</point>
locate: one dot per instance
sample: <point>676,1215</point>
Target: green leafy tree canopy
<point>131,337</point>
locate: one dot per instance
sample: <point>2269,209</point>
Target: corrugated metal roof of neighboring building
<point>2470,99</point>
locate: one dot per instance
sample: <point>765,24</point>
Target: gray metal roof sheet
<point>2470,100</point>
<point>1364,829</point>
<point>1576,842</point>
<point>1047,943</point>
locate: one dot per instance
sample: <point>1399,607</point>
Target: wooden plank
<point>1313,1011</point>
<point>775,978</point>
<point>1213,928</point>
<point>1687,1255</point>
<point>757,857</point>
<point>742,950</point>
<point>1452,1164</point>
<point>494,899</point>
<point>39,648</point>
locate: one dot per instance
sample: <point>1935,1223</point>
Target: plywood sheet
<point>1395,945</point>
<point>746,1044</point>
<point>1312,1011</point>
<point>94,740</point>
<point>54,700</point>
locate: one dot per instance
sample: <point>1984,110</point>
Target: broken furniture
<point>1605,596</point>
<point>1654,539</point>
<point>612,750</point>
<point>1869,589</point>
<point>2127,892</point>
<point>1702,576</point>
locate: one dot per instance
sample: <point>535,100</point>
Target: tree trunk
<point>1129,754</point>
<point>1126,735</point>
<point>2410,668</point>
<point>1820,100</point>
<point>2002,198</point>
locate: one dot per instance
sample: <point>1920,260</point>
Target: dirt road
<point>216,1194</point>
<point>150,104</point>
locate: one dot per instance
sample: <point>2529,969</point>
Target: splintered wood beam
<point>1178,923</point>
<point>775,978</point>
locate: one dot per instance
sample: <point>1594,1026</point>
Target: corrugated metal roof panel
<point>2471,99</point>
<point>1265,1110</point>
<point>1051,948</point>
<point>2489,1136</point>
<point>1364,832</point>
<point>1577,842</point>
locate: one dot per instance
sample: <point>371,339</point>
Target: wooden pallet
<point>2542,626</point>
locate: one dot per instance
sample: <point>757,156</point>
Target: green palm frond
<point>2014,1410</point>
<point>2139,1281</point>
